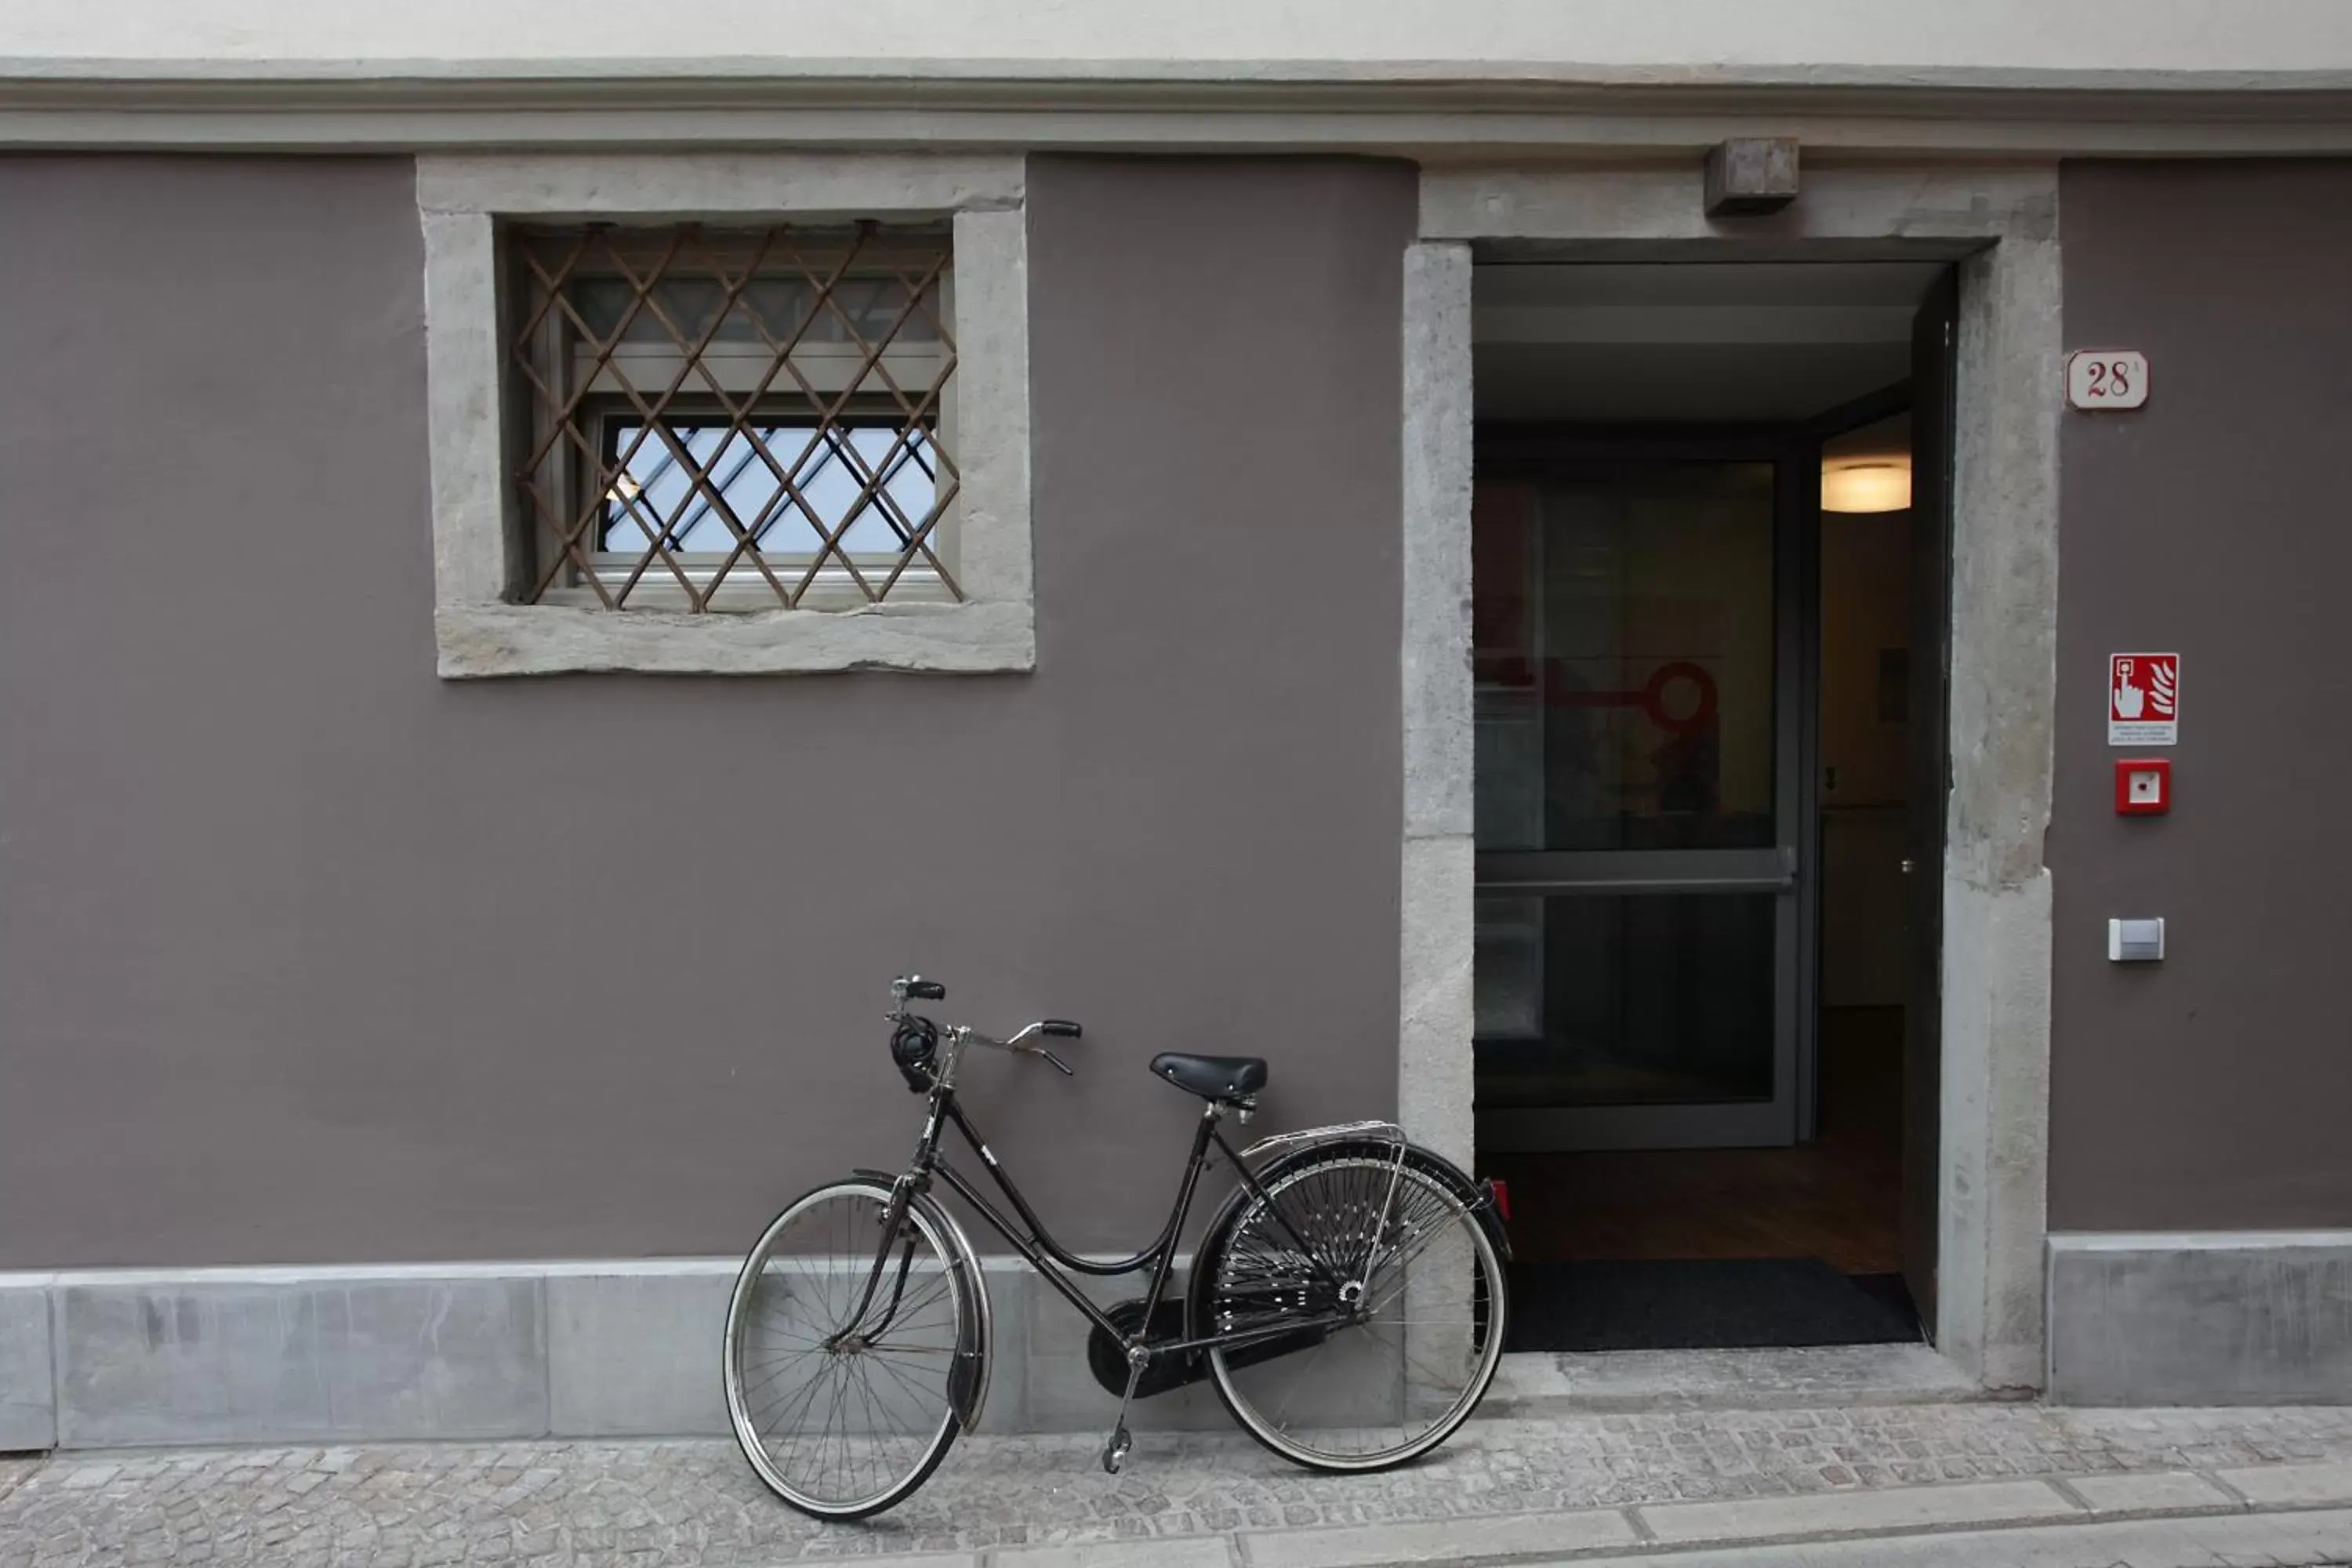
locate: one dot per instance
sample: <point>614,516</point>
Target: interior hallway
<point>1839,1200</point>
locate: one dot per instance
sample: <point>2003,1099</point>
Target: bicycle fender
<point>976,1346</point>
<point>1476,1196</point>
<point>1479,1197</point>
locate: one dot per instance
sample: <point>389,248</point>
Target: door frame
<point>1789,868</point>
<point>1999,223</point>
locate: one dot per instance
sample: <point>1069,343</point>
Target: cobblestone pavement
<point>690,1503</point>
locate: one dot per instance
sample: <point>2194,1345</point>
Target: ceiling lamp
<point>1866,484</point>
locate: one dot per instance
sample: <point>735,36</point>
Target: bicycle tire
<point>1436,1189</point>
<point>830,1282</point>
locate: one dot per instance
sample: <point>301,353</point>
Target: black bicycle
<point>1347,1300</point>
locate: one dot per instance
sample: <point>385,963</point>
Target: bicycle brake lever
<point>1059,1065</point>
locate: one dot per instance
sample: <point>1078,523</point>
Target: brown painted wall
<point>2212,1090</point>
<point>308,956</point>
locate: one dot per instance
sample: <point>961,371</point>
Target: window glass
<point>1626,999</point>
<point>863,486</point>
<point>1623,649</point>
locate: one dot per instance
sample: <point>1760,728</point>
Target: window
<point>734,420</point>
<point>743,412</point>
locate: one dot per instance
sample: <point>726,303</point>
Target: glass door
<point>1641,854</point>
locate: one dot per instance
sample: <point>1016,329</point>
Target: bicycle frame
<point>1055,1263</point>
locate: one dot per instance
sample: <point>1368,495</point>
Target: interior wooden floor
<point>1839,1200</point>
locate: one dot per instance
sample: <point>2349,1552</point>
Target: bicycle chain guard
<point>1107,1357</point>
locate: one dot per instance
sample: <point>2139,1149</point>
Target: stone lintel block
<point>1750,175</point>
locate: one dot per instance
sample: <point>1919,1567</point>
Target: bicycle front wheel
<point>840,1376</point>
<point>1401,1301</point>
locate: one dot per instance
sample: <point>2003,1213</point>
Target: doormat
<point>1730,1304</point>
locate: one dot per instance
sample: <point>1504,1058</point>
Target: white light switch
<point>2135,942</point>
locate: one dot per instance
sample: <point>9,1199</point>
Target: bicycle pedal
<point>1114,1452</point>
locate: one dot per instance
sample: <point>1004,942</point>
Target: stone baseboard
<point>28,1399</point>
<point>2201,1317</point>
<point>377,1353</point>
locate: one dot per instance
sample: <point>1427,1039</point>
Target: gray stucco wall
<point>2207,1092</point>
<point>306,955</point>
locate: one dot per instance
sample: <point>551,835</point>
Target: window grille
<point>733,420</point>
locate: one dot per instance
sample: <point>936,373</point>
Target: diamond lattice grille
<point>735,421</point>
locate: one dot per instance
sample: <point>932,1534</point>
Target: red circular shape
<point>1654,697</point>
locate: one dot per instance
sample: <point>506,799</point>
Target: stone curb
<point>2302,1539</point>
<point>2023,1511</point>
<point>2272,1486</point>
<point>1672,1528</point>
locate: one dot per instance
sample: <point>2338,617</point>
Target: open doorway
<point>1708,558</point>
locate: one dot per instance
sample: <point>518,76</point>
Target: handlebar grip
<point>926,991</point>
<point>1061,1028</point>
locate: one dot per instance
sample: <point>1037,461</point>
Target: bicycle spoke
<point>1410,1359</point>
<point>873,1422</point>
<point>770,1381</point>
<point>907,1383</point>
<point>805,1404</point>
<point>793,1407</point>
<point>1279,1409</point>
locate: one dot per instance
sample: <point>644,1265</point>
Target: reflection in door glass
<point>1624,659</point>
<point>1623,640</point>
<point>1632,999</point>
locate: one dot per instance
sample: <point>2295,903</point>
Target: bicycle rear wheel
<point>1394,1249</point>
<point>842,1399</point>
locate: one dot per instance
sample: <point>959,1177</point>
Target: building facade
<point>636,549</point>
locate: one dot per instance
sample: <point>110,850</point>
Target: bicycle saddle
<point>1212,1078</point>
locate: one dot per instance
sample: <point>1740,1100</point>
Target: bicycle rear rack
<point>1339,1131</point>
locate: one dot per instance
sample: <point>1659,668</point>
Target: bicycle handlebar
<point>914,988</point>
<point>1061,1028</point>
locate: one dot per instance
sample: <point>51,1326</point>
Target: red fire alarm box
<point>2143,787</point>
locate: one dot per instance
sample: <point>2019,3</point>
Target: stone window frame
<point>464,198</point>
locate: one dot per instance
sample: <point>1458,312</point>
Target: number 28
<point>2106,378</point>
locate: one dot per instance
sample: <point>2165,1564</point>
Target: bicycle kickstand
<point>1114,1454</point>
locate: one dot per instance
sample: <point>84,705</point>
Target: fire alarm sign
<point>2144,700</point>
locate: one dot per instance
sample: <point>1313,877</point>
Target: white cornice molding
<point>1481,74</point>
<point>353,107</point>
<point>1020,47</point>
